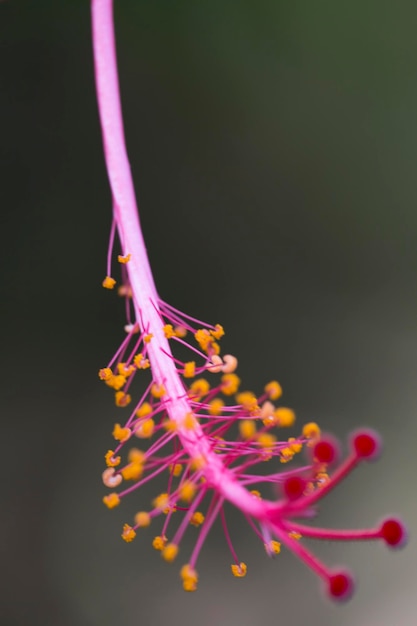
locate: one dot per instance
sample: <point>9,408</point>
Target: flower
<point>207,436</point>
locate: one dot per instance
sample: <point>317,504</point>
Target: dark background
<point>274,149</point>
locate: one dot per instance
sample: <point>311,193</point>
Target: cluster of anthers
<point>213,441</point>
<point>238,432</point>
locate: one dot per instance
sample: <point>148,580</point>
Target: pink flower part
<point>209,447</point>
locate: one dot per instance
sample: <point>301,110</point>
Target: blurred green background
<point>273,146</point>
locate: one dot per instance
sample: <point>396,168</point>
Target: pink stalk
<point>208,462</point>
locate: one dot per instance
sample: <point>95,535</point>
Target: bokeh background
<point>274,149</point>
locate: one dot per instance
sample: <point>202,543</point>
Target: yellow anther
<point>141,362</point>
<point>169,332</point>
<point>169,425</point>
<point>203,338</point>
<point>144,428</point>
<point>108,282</point>
<point>142,519</point>
<point>148,338</point>
<point>256,494</point>
<point>180,331</point>
<point>105,373</point>
<point>157,391</point>
<point>199,388</point>
<point>111,501</point>
<point>197,519</point>
<point>110,478</point>
<point>230,363</point>
<point>125,370</point>
<point>273,547</point>
<point>187,491</point>
<point>189,422</point>
<point>133,471</point>
<point>128,533</point>
<point>294,535</point>
<point>136,456</point>
<point>170,552</point>
<point>121,434</point>
<point>214,348</point>
<point>124,259</point>
<point>175,469</point>
<point>229,384</point>
<point>218,331</point>
<point>273,390</point>
<point>144,410</point>
<point>122,399</point>
<point>295,445</point>
<point>267,442</point>
<point>197,463</point>
<point>188,573</point>
<point>116,382</point>
<point>189,369</point>
<point>286,455</point>
<point>247,429</point>
<point>159,542</point>
<point>112,461</point>
<point>161,502</point>
<point>322,478</point>
<point>267,414</point>
<point>239,570</point>
<point>248,400</point>
<point>215,406</point>
<point>189,585</point>
<point>311,431</point>
<point>284,417</point>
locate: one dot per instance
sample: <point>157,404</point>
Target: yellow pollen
<point>273,390</point>
<point>105,373</point>
<point>256,494</point>
<point>239,570</point>
<point>136,456</point>
<point>121,434</point>
<point>125,370</point>
<point>189,421</point>
<point>189,369</point>
<point>197,463</point>
<point>170,552</point>
<point>108,282</point>
<point>111,461</point>
<point>141,362</point>
<point>284,417</point>
<point>248,400</point>
<point>247,429</point>
<point>124,259</point>
<point>273,547</point>
<point>294,535</point>
<point>133,471</point>
<point>169,425</point>
<point>215,406</point>
<point>111,501</point>
<point>157,391</point>
<point>286,455</point>
<point>295,445</point>
<point>218,331</point>
<point>148,338</point>
<point>229,384</point>
<point>197,519</point>
<point>311,431</point>
<point>145,428</point>
<point>189,584</point>
<point>116,382</point>
<point>122,399</point>
<point>175,469</point>
<point>128,533</point>
<point>144,410</point>
<point>142,519</point>
<point>180,331</point>
<point>161,502</point>
<point>199,388</point>
<point>169,332</point>
<point>159,543</point>
<point>267,441</point>
<point>187,491</point>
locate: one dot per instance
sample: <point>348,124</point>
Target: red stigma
<point>324,451</point>
<point>340,586</point>
<point>294,487</point>
<point>393,533</point>
<point>366,445</point>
